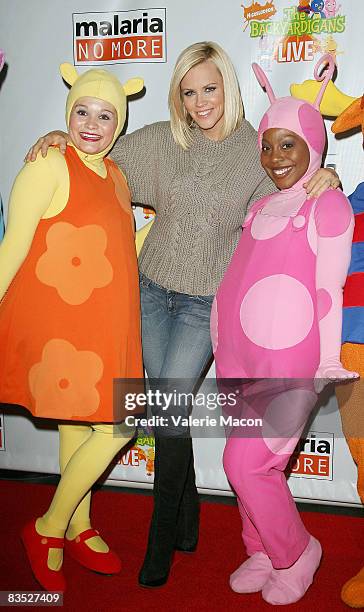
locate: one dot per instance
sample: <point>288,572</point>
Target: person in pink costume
<point>277,315</point>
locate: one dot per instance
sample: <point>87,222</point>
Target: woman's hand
<point>52,138</point>
<point>332,373</point>
<point>321,180</point>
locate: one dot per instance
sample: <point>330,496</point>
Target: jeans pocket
<point>152,298</point>
<point>204,299</point>
<point>143,280</point>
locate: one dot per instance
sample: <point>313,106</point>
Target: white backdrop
<point>37,36</point>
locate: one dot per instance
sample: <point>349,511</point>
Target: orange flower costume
<point>69,315</point>
<point>69,322</point>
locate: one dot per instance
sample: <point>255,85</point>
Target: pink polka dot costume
<point>277,311</point>
<point>277,315</point>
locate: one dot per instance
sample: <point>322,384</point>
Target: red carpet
<point>198,581</point>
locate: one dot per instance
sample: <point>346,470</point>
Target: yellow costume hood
<point>101,84</point>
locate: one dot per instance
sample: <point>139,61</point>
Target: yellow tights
<point>85,451</point>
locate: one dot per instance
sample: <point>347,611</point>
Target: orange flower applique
<point>63,382</point>
<point>74,262</point>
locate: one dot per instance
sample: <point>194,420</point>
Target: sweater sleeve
<point>30,198</point>
<point>136,155</point>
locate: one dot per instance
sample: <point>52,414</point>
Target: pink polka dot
<point>299,221</point>
<point>277,312</point>
<point>265,227</point>
<point>333,214</point>
<point>324,303</point>
<point>214,326</point>
<point>312,127</point>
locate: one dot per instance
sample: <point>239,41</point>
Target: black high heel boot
<point>173,459</point>
<point>189,514</point>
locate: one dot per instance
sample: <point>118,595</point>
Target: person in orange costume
<point>69,314</point>
<point>350,396</point>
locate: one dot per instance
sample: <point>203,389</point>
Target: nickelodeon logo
<point>313,457</point>
<point>126,36</point>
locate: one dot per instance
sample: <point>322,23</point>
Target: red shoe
<point>101,562</point>
<point>37,547</point>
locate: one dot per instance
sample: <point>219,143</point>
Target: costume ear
<point>69,73</point>
<point>352,117</point>
<point>324,77</point>
<point>133,86</point>
<point>263,81</point>
<point>2,59</point>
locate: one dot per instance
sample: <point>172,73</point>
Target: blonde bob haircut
<point>182,124</point>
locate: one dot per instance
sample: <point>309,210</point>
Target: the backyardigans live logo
<point>141,451</point>
<point>300,32</point>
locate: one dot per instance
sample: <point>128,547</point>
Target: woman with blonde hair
<point>200,171</point>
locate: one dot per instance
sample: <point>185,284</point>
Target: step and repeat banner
<point>137,38</point>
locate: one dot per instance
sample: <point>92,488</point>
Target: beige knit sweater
<point>200,197</point>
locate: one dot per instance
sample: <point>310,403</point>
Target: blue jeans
<point>176,341</point>
<point>176,345</point>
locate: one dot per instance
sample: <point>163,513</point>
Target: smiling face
<point>92,124</point>
<point>285,157</point>
<point>202,91</point>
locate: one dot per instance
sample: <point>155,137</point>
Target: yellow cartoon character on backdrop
<point>150,461</point>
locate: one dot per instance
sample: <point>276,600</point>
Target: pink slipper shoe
<point>285,586</point>
<point>252,575</point>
